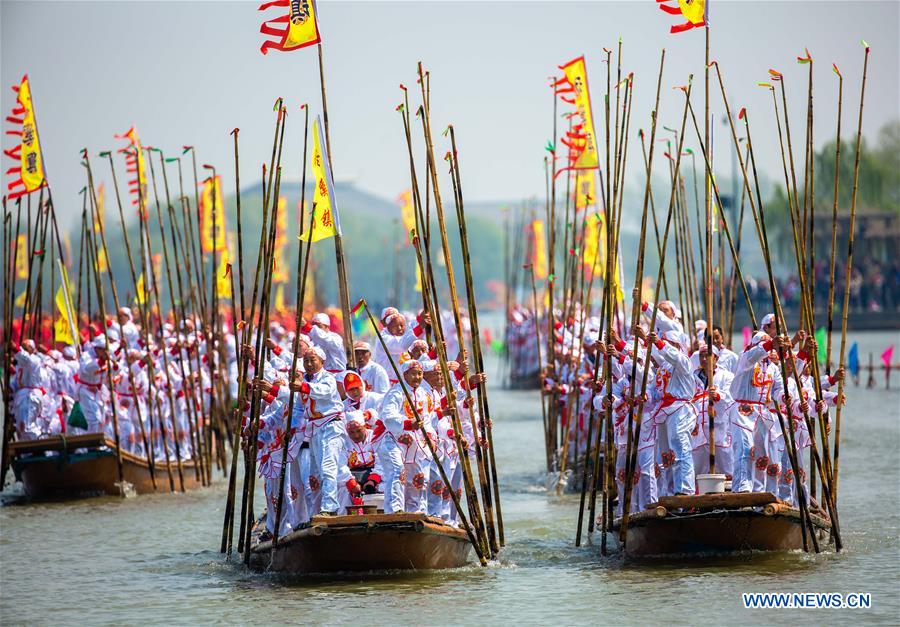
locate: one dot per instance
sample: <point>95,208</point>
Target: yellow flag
<point>538,250</point>
<point>30,169</point>
<point>581,139</point>
<point>325,223</point>
<point>418,279</point>
<point>407,211</point>
<point>292,30</point>
<point>102,265</point>
<point>585,190</point>
<point>592,258</point>
<point>99,224</point>
<point>100,218</point>
<point>279,298</point>
<point>223,278</point>
<point>210,198</point>
<point>142,293</point>
<point>20,299</point>
<point>61,331</point>
<point>66,327</point>
<point>22,257</point>
<point>280,272</point>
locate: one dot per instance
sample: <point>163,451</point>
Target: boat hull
<point>721,529</point>
<point>91,472</point>
<point>365,543</point>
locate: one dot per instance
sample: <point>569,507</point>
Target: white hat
<point>355,416</point>
<point>430,365</point>
<point>769,318</point>
<point>758,337</point>
<point>410,364</point>
<point>318,351</point>
<point>126,311</point>
<point>305,338</point>
<point>387,312</point>
<point>99,341</point>
<point>359,345</point>
<point>68,352</point>
<point>321,318</point>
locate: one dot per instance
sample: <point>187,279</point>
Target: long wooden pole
<point>491,501</point>
<point>302,270</point>
<point>834,215</point>
<point>343,284</point>
<point>846,307</point>
<point>635,411</point>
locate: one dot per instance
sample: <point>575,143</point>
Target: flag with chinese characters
<point>296,28</point>
<point>211,201</point>
<point>581,139</point>
<point>538,250</point>
<point>407,211</point>
<point>28,174</point>
<point>326,222</point>
<point>694,11</point>
<point>136,167</point>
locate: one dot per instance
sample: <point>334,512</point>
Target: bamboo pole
<point>343,283</point>
<point>249,459</point>
<point>492,502</point>
<point>849,267</point>
<point>302,270</point>
<point>634,426</point>
<point>833,259</point>
<point>92,249</point>
<point>240,336</point>
<point>101,228</point>
<point>454,298</point>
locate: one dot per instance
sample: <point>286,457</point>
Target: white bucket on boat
<point>374,499</point>
<point>710,484</point>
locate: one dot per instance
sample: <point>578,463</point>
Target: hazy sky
<point>189,72</point>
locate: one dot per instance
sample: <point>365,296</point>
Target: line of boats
<point>368,540</point>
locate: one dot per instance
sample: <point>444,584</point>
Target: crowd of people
<point>154,379</point>
<point>352,431</point>
<point>669,419</point>
<point>361,431</point>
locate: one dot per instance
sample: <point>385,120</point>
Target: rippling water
<point>154,559</point>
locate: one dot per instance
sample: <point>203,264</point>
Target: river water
<point>154,559</point>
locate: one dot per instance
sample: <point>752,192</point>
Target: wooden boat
<point>364,543</point>
<point>85,465</point>
<point>717,523</point>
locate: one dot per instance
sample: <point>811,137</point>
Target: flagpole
<point>343,287</point>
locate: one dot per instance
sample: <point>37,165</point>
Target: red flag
<point>887,355</point>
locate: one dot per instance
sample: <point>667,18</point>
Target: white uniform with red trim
<point>325,426</point>
<point>30,399</point>
<point>92,393</point>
